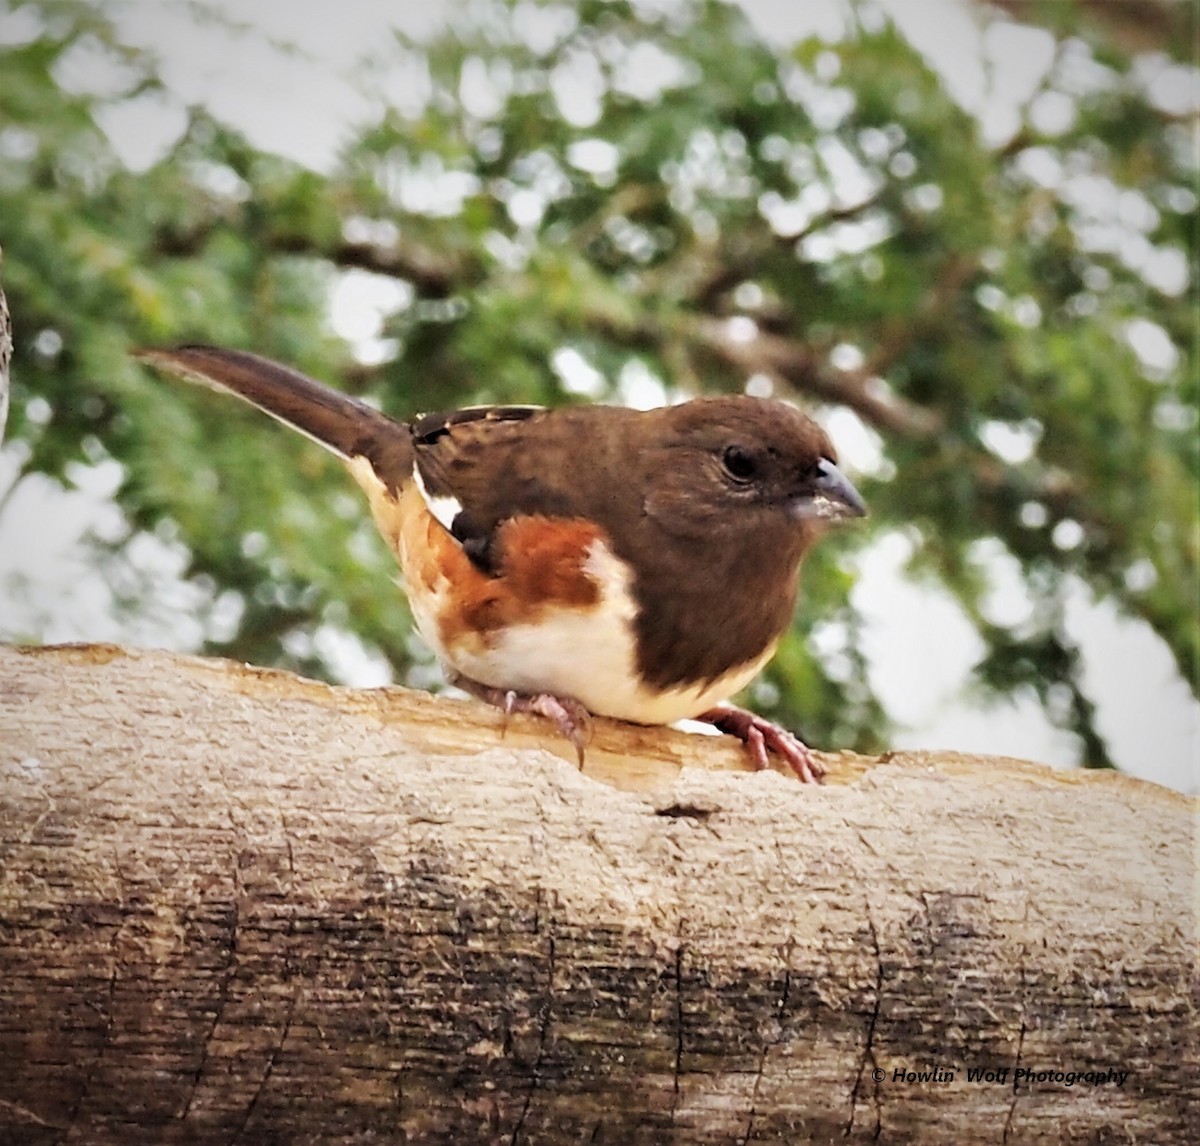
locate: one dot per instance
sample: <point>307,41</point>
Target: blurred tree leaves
<point>598,198</point>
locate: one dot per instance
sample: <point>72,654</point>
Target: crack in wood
<point>1012,1106</point>
<point>286,977</point>
<point>675,1095</point>
<point>227,974</point>
<point>28,1116</point>
<point>543,1029</point>
<point>766,1046</point>
<point>868,1055</point>
<point>272,1059</point>
<point>105,1038</point>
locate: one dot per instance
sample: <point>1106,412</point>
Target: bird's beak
<point>830,498</point>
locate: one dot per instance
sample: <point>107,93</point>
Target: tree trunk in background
<point>238,906</point>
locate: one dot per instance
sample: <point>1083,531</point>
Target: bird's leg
<point>759,735</point>
<point>568,715</point>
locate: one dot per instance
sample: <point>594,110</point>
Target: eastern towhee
<point>589,559</point>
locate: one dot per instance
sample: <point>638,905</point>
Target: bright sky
<point>304,104</point>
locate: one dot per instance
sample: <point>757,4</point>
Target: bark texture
<point>238,906</point>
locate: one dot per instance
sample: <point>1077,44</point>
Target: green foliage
<point>623,184</point>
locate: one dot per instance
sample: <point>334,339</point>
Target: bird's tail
<point>344,425</point>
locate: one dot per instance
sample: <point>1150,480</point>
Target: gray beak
<point>831,497</point>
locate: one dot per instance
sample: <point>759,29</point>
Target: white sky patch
<point>1167,270</point>
<point>1026,312</point>
<point>298,100</point>
<point>540,28</point>
<point>760,386</point>
<point>597,157</point>
<point>1053,113</point>
<point>786,23</point>
<point>1155,351</point>
<point>143,130</point>
<point>859,446</point>
<point>578,87</point>
<point>351,661</point>
<point>53,588</point>
<point>918,643</point>
<point>647,71</point>
<point>741,328</point>
<point>482,89</point>
<point>1011,442</point>
<point>1173,87</point>
<point>361,301</point>
<point>1042,166</point>
<point>19,27</point>
<point>925,198</point>
<point>1033,515</point>
<point>88,68</point>
<point>526,207</point>
<point>1007,601</point>
<point>920,647</point>
<point>848,238</point>
<point>427,187</point>
<point>1067,534</point>
<point>789,217</point>
<point>639,387</point>
<point>576,373</point>
<point>1015,726</point>
<point>219,180</point>
<point>1148,715</point>
<point>377,232</point>
<point>852,182</point>
<point>846,356</point>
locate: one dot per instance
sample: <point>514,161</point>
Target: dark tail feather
<point>331,419</point>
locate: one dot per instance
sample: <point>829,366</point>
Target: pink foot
<point>759,735</point>
<point>569,716</point>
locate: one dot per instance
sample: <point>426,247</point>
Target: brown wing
<point>431,428</point>
<point>484,466</point>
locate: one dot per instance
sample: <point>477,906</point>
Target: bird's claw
<point>570,717</point>
<point>761,735</point>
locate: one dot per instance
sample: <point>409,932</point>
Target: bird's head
<point>734,464</point>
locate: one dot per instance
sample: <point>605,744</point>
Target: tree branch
<point>434,274</point>
<point>234,902</point>
<point>806,370</point>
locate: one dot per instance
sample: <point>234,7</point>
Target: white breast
<point>590,656</point>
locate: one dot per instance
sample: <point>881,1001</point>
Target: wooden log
<point>239,906</point>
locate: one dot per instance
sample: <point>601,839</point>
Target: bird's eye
<point>739,463</point>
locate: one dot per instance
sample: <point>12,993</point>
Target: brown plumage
<point>636,564</point>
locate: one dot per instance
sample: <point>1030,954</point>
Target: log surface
<point>238,906</point>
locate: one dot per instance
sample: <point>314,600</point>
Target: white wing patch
<point>445,508</point>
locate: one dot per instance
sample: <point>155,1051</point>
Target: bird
<point>585,560</point>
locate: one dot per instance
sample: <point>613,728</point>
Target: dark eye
<point>739,463</point>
